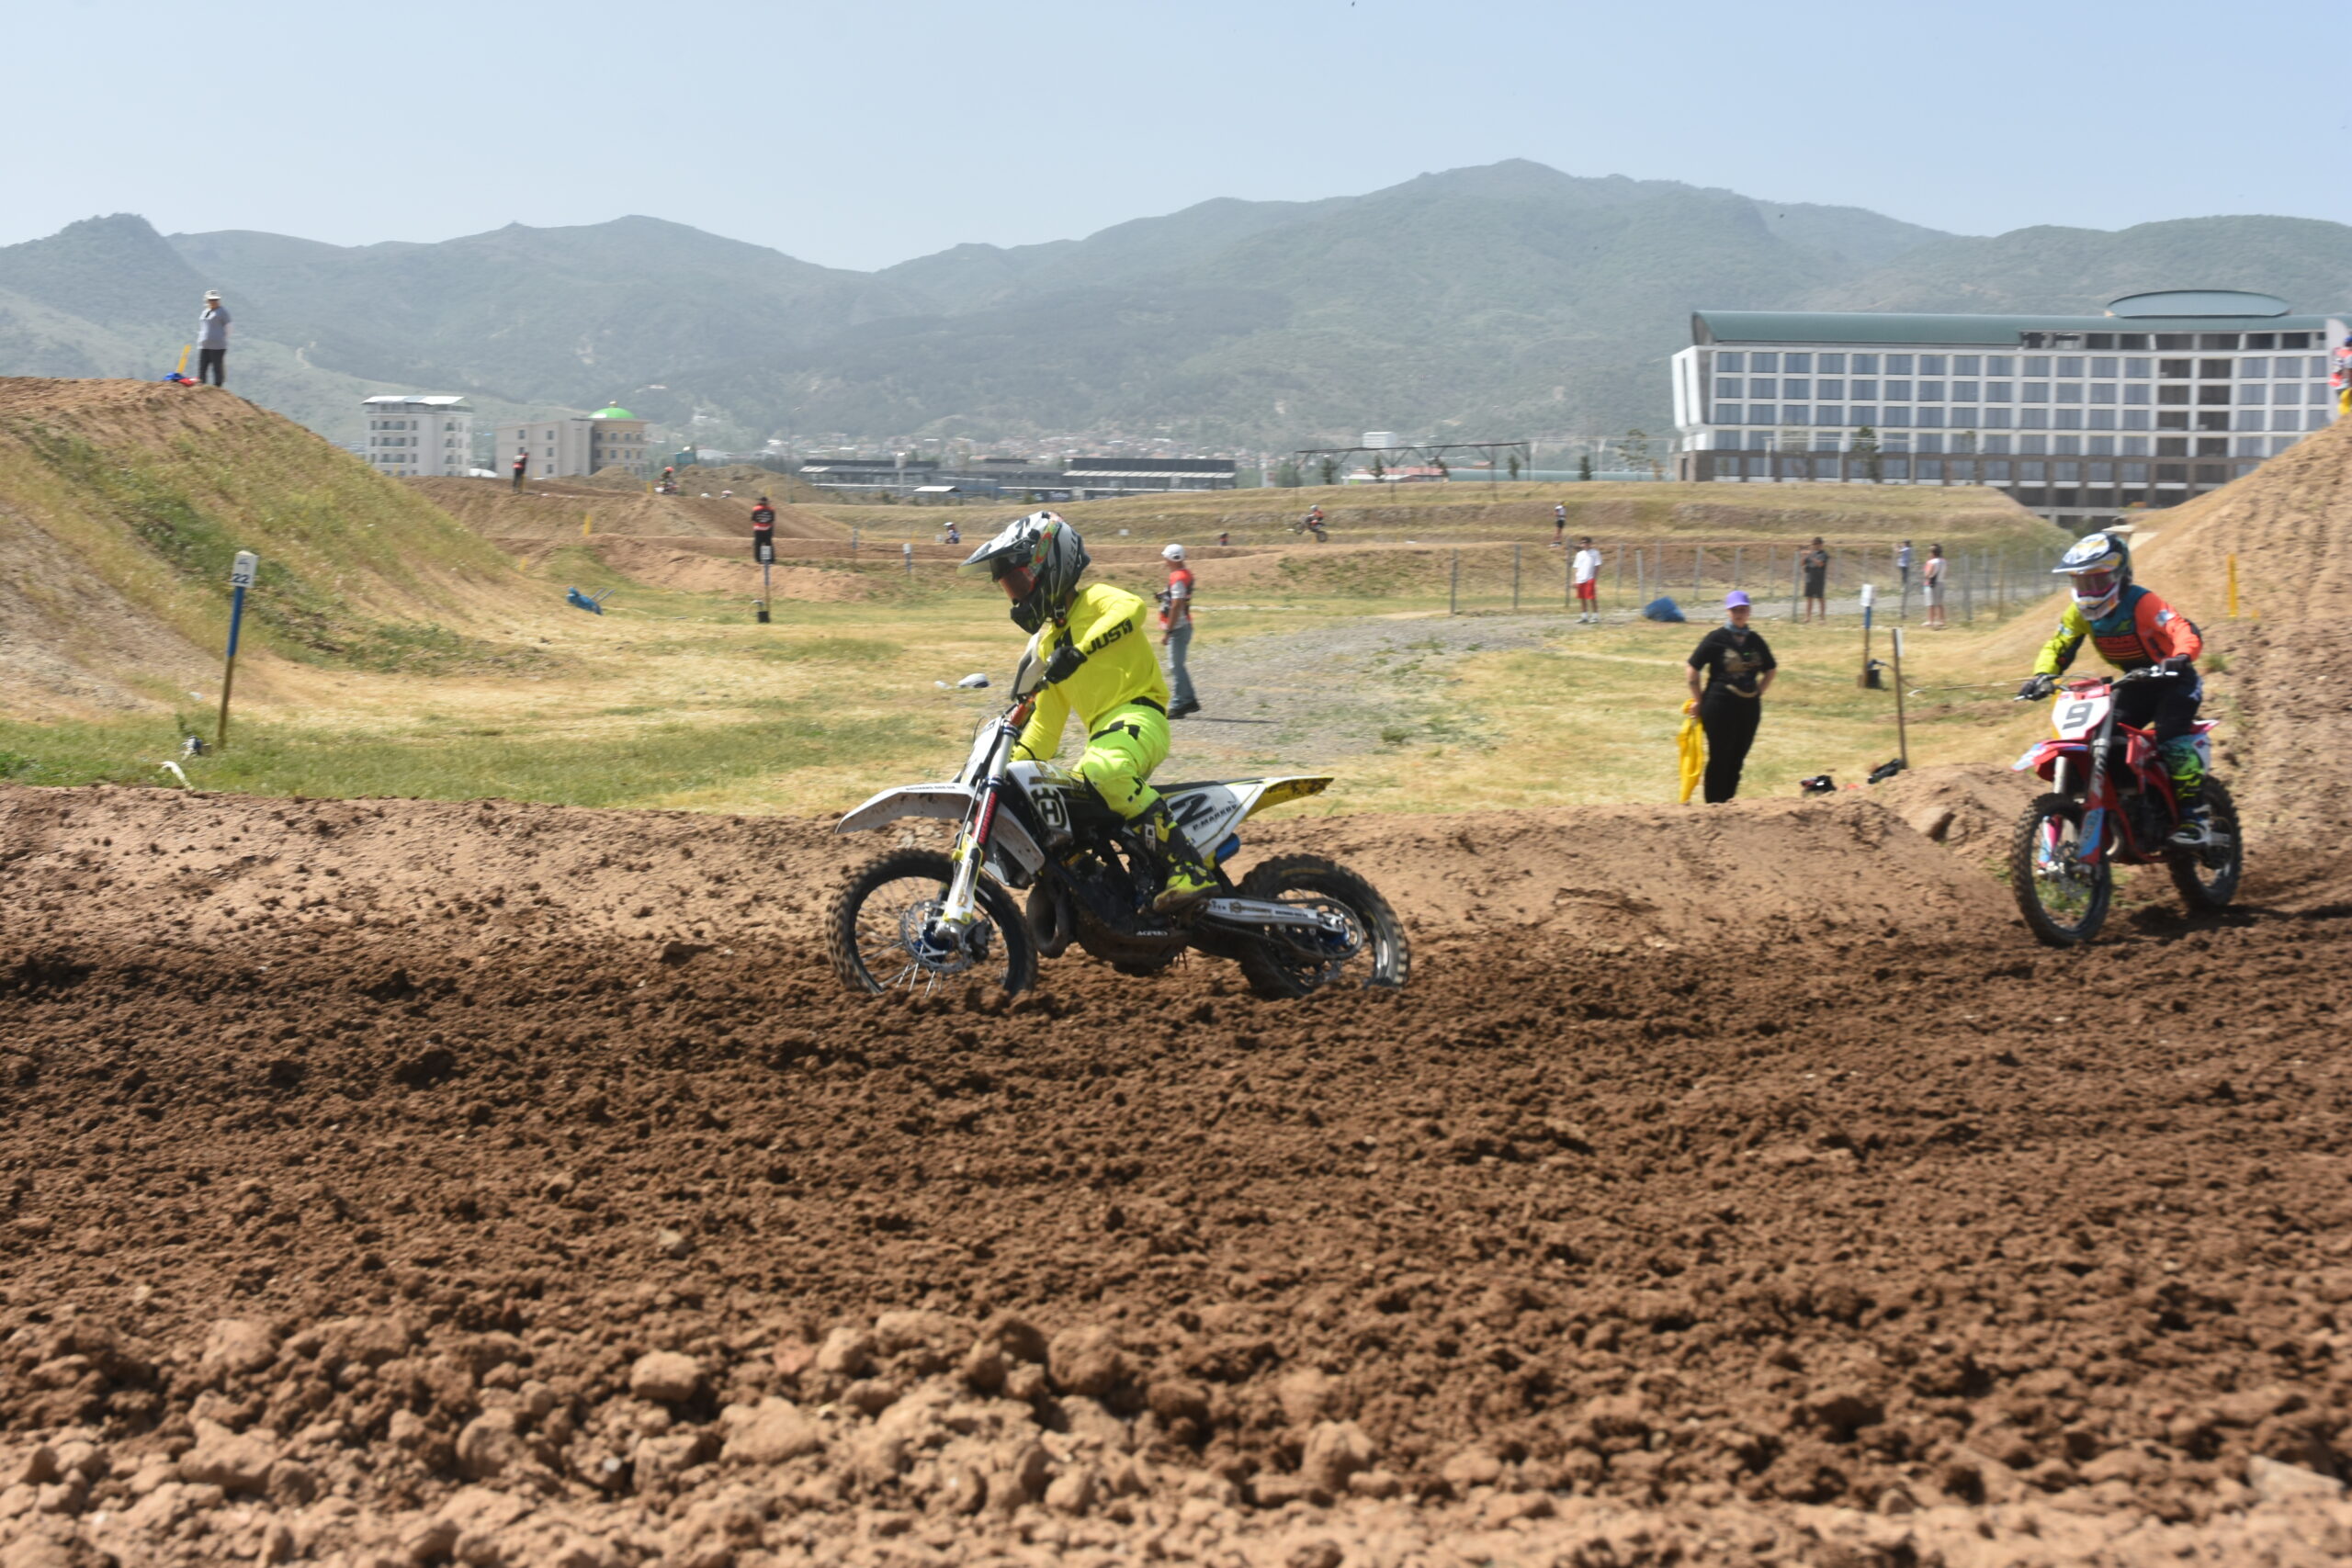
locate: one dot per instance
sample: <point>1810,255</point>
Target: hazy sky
<point>861,134</point>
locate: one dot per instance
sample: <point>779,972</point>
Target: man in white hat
<point>212,341</point>
<point>1176,633</point>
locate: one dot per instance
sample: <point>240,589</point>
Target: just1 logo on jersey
<point>1113,635</point>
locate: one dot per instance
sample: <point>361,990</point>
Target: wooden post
<point>1737,551</point>
<point>240,577</point>
<point>1902,734</point>
<point>2233,586</point>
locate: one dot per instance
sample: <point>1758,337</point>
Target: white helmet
<point>1037,560</point>
<point>1174,553</point>
<point>2100,565</point>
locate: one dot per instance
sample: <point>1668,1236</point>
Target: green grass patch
<point>624,768</point>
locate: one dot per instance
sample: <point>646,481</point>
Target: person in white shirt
<point>1587,581</point>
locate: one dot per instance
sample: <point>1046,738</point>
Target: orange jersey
<point>2140,631</point>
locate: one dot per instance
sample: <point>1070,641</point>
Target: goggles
<point>2095,584</point>
<point>1018,582</point>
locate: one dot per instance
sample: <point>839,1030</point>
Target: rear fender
<point>1210,812</point>
<point>943,802</point>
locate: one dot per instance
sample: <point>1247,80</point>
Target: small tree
<point>1584,468</point>
<point>1866,448</point>
<point>1514,464</point>
<point>1330,467</point>
<point>1379,468</point>
<point>1287,476</point>
<point>1636,447</point>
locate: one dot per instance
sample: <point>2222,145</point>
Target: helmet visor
<point>2095,584</point>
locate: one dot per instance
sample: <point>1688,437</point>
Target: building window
<point>1759,413</point>
<point>1729,361</point>
<point>1999,392</point>
<point>2213,394</point>
<point>1796,413</point>
<point>2136,394</point>
<point>1997,444</point>
<point>2217,340</point>
<point>1962,419</point>
<point>2033,419</point>
<point>2252,394</point>
<point>1932,418</point>
<point>1833,364</point>
<point>1831,388</point>
<point>2103,367</point>
<point>1764,362</point>
<point>1861,414</point>
<point>2171,394</point>
<point>1996,419</point>
<point>2256,368</point>
<point>2287,393</point>
<point>2139,369</point>
<point>1800,387</point>
<point>2070,419</point>
<point>2215,419</point>
<point>2036,365</point>
<point>2070,392</point>
<point>1932,392</point>
<point>2213,369</point>
<point>1828,413</point>
<point>2036,391</point>
<point>1898,389</point>
<point>2249,419</point>
<point>1800,364</point>
<point>1931,364</point>
<point>2039,445</point>
<point>2173,342</point>
<point>2316,420</point>
<point>1762,387</point>
<point>1964,392</point>
<point>2070,367</point>
<point>2294,340</point>
<point>1865,364</point>
<point>2173,370</point>
<point>1895,418</point>
<point>1898,365</point>
<point>2102,446</point>
<point>2102,419</point>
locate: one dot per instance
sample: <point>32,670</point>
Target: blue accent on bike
<point>1227,850</point>
<point>2094,833</point>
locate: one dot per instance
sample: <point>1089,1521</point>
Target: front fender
<point>945,803</point>
<point>2042,757</point>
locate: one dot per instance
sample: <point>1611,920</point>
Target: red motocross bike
<point>2110,803</point>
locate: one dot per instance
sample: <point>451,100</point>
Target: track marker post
<point>1454,587</point>
<point>766,551</point>
<point>1868,680</point>
<point>2234,587</point>
<point>240,577</point>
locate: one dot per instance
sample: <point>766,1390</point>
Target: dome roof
<point>615,412</point>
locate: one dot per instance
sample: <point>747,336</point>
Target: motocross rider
<point>1097,660</point>
<point>2134,629</point>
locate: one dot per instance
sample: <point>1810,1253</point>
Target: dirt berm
<point>394,1182</point>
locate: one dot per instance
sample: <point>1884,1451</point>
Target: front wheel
<point>1379,955</point>
<point>884,933</point>
<point>2064,902</point>
<point>2208,878</point>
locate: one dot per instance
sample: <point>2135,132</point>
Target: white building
<point>2078,417</point>
<point>564,448</point>
<point>410,437</point>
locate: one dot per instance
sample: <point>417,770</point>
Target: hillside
<point>1511,299</point>
<point>122,504</point>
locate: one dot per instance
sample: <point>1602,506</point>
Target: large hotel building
<point>2079,417</point>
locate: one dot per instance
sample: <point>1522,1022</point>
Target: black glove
<point>2037,687</point>
<point>1063,664</point>
<point>2176,665</point>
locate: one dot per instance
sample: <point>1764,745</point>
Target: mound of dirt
<point>707,566</point>
<point>546,509</point>
<point>502,1184</point>
<point>122,504</point>
<point>2288,730</point>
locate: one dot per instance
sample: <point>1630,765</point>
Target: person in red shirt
<point>1176,632</point>
<point>521,467</point>
<point>763,531</point>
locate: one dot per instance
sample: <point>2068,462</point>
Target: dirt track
<point>1680,1218</point>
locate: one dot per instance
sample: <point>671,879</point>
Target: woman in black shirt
<point>1737,665</point>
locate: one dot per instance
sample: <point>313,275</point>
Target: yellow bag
<point>1692,743</point>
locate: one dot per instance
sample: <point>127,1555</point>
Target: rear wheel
<point>1376,953</point>
<point>883,934</point>
<point>2063,901</point>
<point>2208,878</point>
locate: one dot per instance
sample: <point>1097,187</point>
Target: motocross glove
<point>1064,663</point>
<point>2037,687</point>
<point>2176,665</point>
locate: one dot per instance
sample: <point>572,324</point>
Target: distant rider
<point>2133,629</point>
<point>1313,523</point>
<point>1093,645</point>
<point>763,531</point>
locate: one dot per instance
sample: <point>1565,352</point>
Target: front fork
<point>2094,842</point>
<point>962,905</point>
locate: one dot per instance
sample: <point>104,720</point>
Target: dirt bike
<point>919,920</point>
<point>1312,525</point>
<point>2110,803</point>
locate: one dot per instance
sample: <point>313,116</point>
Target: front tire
<point>1383,959</point>
<point>874,934</point>
<point>2207,879</point>
<point>2064,905</point>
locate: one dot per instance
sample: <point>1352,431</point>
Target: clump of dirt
<point>489,1183</point>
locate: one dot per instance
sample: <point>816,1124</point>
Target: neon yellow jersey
<point>1107,625</point>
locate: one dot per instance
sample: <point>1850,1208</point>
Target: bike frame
<point>2053,759</point>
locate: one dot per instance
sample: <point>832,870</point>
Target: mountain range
<point>1504,301</point>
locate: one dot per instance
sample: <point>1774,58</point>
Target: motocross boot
<point>2196,829</point>
<point>1187,878</point>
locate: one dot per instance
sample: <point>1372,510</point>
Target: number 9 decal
<point>2074,715</point>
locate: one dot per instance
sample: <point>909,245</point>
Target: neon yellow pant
<point>1120,756</point>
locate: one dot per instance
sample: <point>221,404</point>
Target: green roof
<point>615,412</point>
<point>1873,326</point>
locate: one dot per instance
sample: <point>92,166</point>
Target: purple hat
<point>1733,599</point>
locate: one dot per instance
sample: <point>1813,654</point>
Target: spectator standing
<point>1815,562</point>
<point>1933,574</point>
<point>521,467</point>
<point>1587,581</point>
<point>1176,632</point>
<point>212,341</point>
<point>1736,665</point>
<point>1903,569</point>
<point>1559,524</point>
<point>763,531</point>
